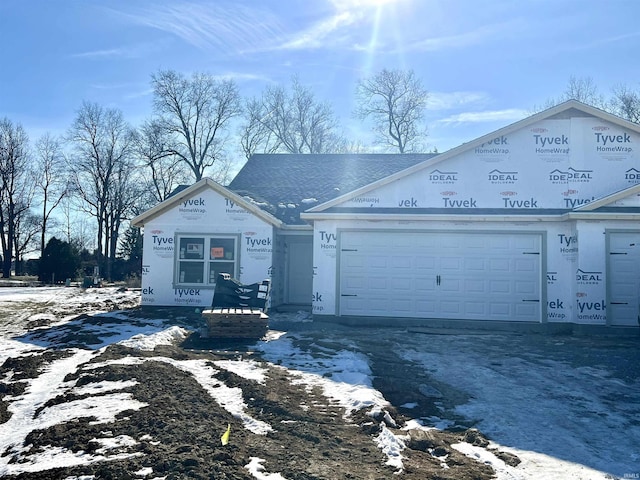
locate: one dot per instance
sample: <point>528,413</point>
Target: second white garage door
<point>481,276</point>
<point>624,278</point>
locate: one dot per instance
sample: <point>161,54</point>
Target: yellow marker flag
<point>225,436</point>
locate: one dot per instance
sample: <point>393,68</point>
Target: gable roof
<point>287,184</point>
<point>602,203</point>
<point>570,108</point>
<point>181,193</point>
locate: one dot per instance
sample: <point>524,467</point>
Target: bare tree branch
<point>195,112</point>
<point>395,101</point>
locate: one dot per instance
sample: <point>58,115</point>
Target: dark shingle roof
<point>287,184</point>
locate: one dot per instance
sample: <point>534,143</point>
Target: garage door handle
<point>524,300</point>
<point>618,303</point>
<point>617,253</point>
<point>437,279</point>
<point>348,249</point>
<point>531,253</point>
<point>348,295</point>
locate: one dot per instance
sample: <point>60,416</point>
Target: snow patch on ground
<point>28,414</point>
<point>149,341</point>
<point>392,446</point>
<point>247,369</point>
<point>256,469</point>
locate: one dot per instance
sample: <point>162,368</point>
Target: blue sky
<point>485,63</point>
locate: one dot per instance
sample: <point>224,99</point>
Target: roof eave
<point>506,217</point>
<point>169,203</point>
<point>609,199</point>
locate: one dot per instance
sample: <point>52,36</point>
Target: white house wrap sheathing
<point>540,178</point>
<point>203,215</point>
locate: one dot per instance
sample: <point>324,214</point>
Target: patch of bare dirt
<point>178,433</point>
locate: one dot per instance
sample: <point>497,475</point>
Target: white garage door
<point>624,278</point>
<point>483,276</point>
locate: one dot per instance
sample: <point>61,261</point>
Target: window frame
<point>204,241</point>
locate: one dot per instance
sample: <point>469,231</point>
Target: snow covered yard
<point>91,388</point>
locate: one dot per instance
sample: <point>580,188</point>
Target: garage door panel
<point>355,282</point>
<point>475,308</point>
<point>499,286</point>
<point>401,284</point>
<point>450,285</point>
<point>428,263</point>
<point>450,263</point>
<point>475,286</point>
<point>379,283</point>
<point>377,261</point>
<point>474,265</point>
<point>500,309</point>
<point>623,278</point>
<point>451,308</point>
<point>525,265</point>
<point>442,275</point>
<point>499,265</point>
<point>400,262</point>
<point>526,288</point>
<point>526,309</point>
<point>424,285</point>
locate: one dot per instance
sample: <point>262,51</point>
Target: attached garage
<point>623,271</point>
<point>536,223</point>
<point>452,275</point>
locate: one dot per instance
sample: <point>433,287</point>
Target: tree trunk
<point>8,250</point>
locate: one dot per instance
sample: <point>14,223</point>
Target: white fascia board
<point>475,218</point>
<point>296,228</point>
<point>604,216</point>
<point>436,217</point>
<point>520,124</point>
<point>199,186</point>
<point>604,201</point>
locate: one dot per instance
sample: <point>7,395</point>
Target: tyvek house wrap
<point>202,214</point>
<point>536,175</point>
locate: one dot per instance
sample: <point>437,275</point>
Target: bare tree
<point>290,121</point>
<point>51,181</point>
<point>196,113</point>
<point>26,241</point>
<point>582,89</point>
<point>103,144</point>
<point>626,103</point>
<point>163,170</point>
<point>255,134</point>
<point>16,187</point>
<point>395,101</point>
<point>124,192</point>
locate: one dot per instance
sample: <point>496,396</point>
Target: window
<point>201,258</point>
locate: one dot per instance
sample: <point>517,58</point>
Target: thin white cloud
<point>243,76</point>
<point>130,51</point>
<point>449,100</point>
<point>509,114</point>
<point>598,42</point>
<point>209,26</point>
<point>112,52</point>
<point>469,38</point>
<point>315,36</point>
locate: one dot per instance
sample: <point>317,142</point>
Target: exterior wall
<point>204,213</point>
<point>277,272</point>
<point>574,261</point>
<point>553,164</point>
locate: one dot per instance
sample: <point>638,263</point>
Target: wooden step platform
<point>235,322</point>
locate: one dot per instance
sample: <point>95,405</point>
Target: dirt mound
<point>177,434</point>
